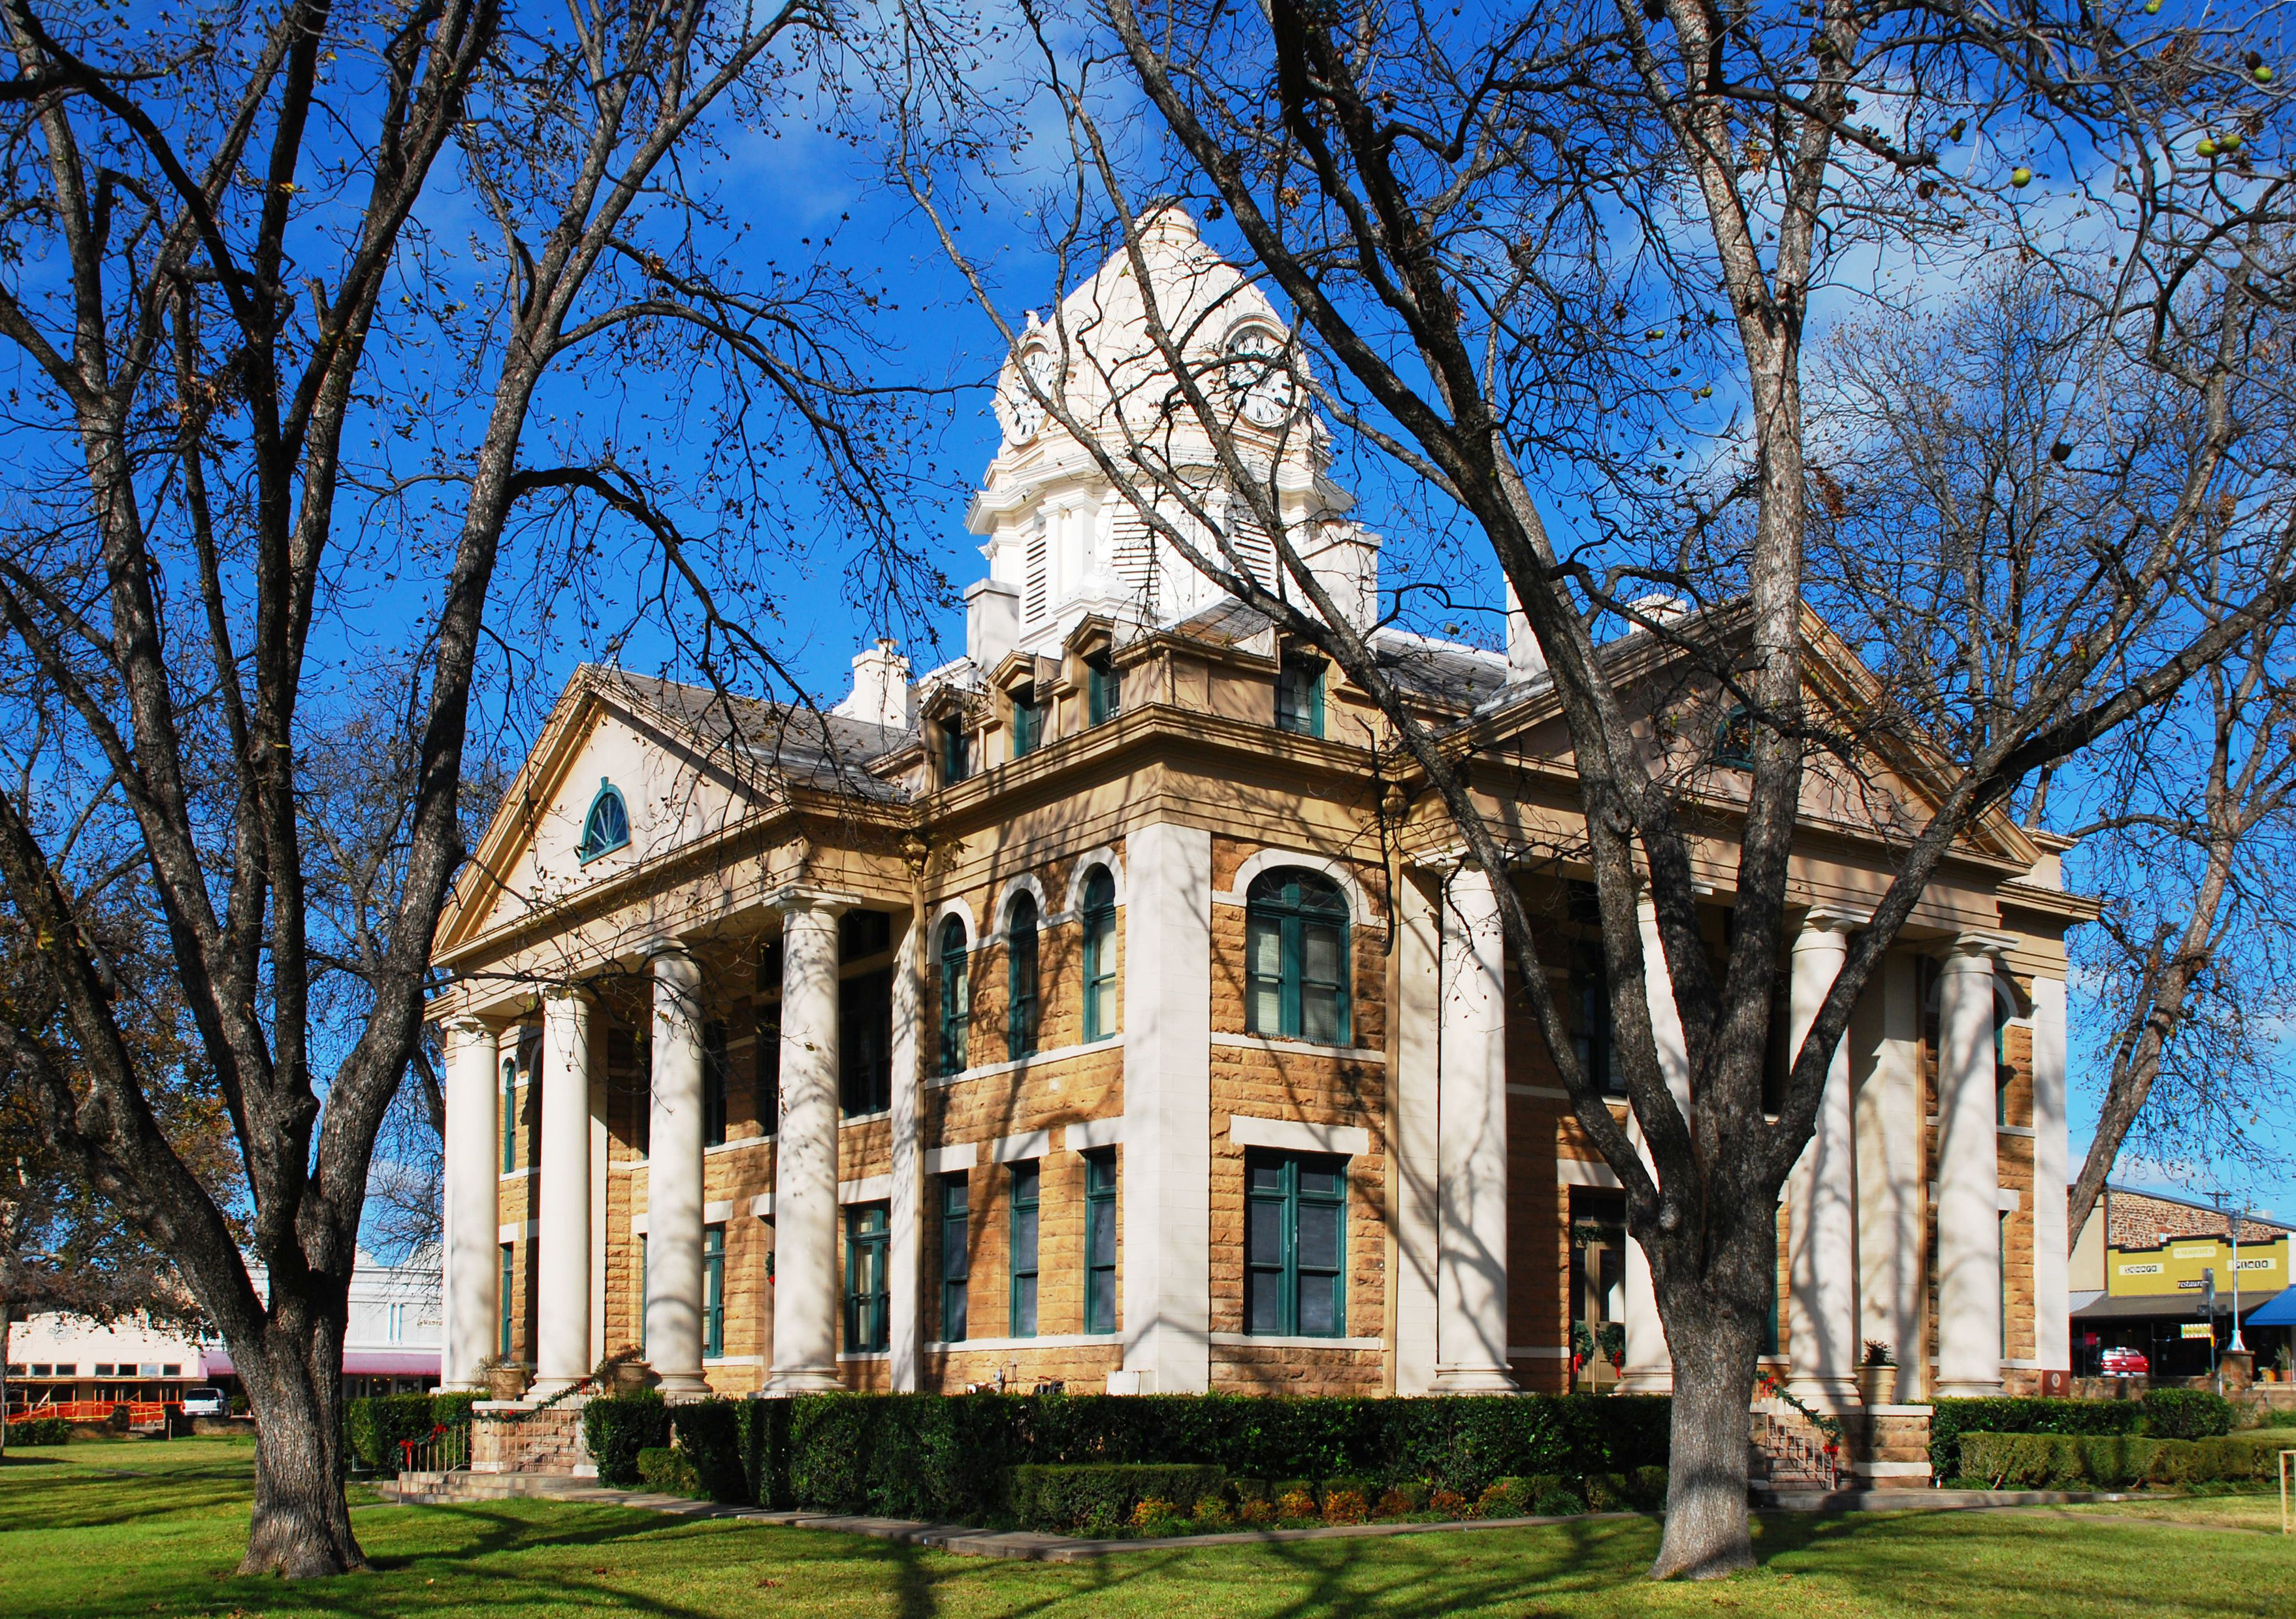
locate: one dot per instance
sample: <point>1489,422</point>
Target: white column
<point>563,1205</point>
<point>2052,1245</point>
<point>674,1197</point>
<point>1470,1303</point>
<point>1968,1174</point>
<point>905,1271</point>
<point>473,1276</point>
<point>1822,1240</point>
<point>1650,1364</point>
<point>1418,1016</point>
<point>1893,1165</point>
<point>805,1283</point>
<point>1167,1100</point>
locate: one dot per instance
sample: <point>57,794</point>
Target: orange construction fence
<point>94,1411</point>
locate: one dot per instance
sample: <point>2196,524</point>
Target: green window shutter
<point>507,1297</point>
<point>956,1255</point>
<point>1100,1020</point>
<point>1295,1245</point>
<point>713,1291</point>
<point>955,997</point>
<point>1021,980</point>
<point>714,1064</point>
<point>1100,1241</point>
<point>868,1295</point>
<point>509,1118</point>
<point>1103,694</point>
<point>642,1298</point>
<point>1024,1184</point>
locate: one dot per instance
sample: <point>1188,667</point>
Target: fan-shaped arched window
<point>607,826</point>
<point>1297,956</point>
<point>955,997</point>
<point>1021,978</point>
<point>1099,954</point>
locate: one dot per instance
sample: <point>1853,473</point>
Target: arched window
<point>1733,739</point>
<point>1021,978</point>
<point>607,826</point>
<point>1099,956</point>
<point>1296,951</point>
<point>955,997</point>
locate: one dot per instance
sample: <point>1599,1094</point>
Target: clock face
<point>1260,378</point>
<point>1023,416</point>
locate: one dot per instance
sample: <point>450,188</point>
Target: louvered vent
<point>1032,604</point>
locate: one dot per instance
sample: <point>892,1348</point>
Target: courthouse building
<point>1107,1006</point>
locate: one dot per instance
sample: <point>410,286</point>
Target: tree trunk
<point>293,1376</point>
<point>1706,1530</point>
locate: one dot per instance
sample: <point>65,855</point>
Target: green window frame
<point>955,1256</point>
<point>868,1288</point>
<point>2003,1076</point>
<point>1021,978</point>
<point>1028,723</point>
<point>1100,1241</point>
<point>1100,1020</point>
<point>864,1044</point>
<point>1103,689</point>
<point>1770,1324</point>
<point>955,752</point>
<point>713,1065</point>
<point>1295,1245</point>
<point>605,825</point>
<point>955,996</point>
<point>1296,957</point>
<point>2003,1263</point>
<point>713,1292</point>
<point>506,1299</point>
<point>1596,1036</point>
<point>1733,739</point>
<point>1300,694</point>
<point>1026,1183</point>
<point>510,1115</point>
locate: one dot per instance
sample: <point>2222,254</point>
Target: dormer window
<point>956,751</point>
<point>607,826</point>
<point>1300,694</point>
<point>1027,722</point>
<point>1103,689</point>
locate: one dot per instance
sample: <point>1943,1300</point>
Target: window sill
<point>1284,1048</point>
<point>519,1174</point>
<point>732,1359</point>
<point>845,1119</point>
<point>740,1142</point>
<point>989,1070</point>
<point>1056,1340</point>
<point>866,1354</point>
<point>1252,1340</point>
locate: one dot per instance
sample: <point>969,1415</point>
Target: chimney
<point>992,622</point>
<point>1525,661</point>
<point>880,688</point>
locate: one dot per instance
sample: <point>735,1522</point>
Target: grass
<point>133,1529</point>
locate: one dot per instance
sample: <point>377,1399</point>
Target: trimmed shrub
<point>710,1435</point>
<point>1098,1499</point>
<point>40,1431</point>
<point>374,1426</point>
<point>617,1427</point>
<point>1560,1501</point>
<point>1346,1506</point>
<point>2106,1461</point>
<point>1643,1490</point>
<point>2186,1413</point>
<point>763,1426</point>
<point>669,1472</point>
<point>1949,1419</point>
<point>452,1410</point>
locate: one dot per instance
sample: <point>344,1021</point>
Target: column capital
<point>1977,945</point>
<point>1832,917</point>
<point>470,1025</point>
<point>796,897</point>
<point>670,962</point>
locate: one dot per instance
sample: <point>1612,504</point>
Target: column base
<point>1831,1395</point>
<point>1965,1388</point>
<point>683,1385</point>
<point>803,1380</point>
<point>543,1388</point>
<point>1634,1381</point>
<point>1473,1380</point>
<point>461,1386</point>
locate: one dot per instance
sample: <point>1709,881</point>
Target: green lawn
<point>137,1528</point>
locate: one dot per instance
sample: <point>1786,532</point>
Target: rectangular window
<point>864,933</point>
<point>1295,1241</point>
<point>955,1254</point>
<point>1594,1040</point>
<point>769,1067</point>
<point>642,1118</point>
<point>1300,696</point>
<point>1770,1327</point>
<point>1028,723</point>
<point>1021,989</point>
<point>641,1302</point>
<point>869,1294</point>
<point>1024,1251</point>
<point>507,1299</point>
<point>1100,1241</point>
<point>1099,967</point>
<point>955,754</point>
<point>103,1369</point>
<point>865,1043</point>
<point>510,1117</point>
<point>713,1085</point>
<point>2004,1286</point>
<point>956,1000</point>
<point>1103,689</point>
<point>713,1291</point>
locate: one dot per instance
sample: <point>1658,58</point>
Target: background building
<point>2140,1274</point>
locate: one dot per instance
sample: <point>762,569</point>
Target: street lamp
<point>2237,1347</point>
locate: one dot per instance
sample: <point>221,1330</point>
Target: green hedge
<point>617,1427</point>
<point>2161,1413</point>
<point>375,1425</point>
<point>1097,1499</point>
<point>669,1472</point>
<point>2073,1461</point>
<point>40,1431</point>
<point>709,1434</point>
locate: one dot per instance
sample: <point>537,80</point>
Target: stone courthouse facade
<point>1107,1006</point>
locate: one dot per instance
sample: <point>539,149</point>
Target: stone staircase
<point>1786,1453</point>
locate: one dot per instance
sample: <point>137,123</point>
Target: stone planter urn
<point>508,1381</point>
<point>631,1377</point>
<point>1876,1383</point>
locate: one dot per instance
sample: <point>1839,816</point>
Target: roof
<point>2181,1307</point>
<point>802,745</point>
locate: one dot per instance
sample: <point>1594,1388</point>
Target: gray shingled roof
<point>798,744</point>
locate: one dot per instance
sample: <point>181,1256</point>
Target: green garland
<point>1827,1426</point>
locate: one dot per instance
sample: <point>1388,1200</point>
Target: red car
<point>2125,1363</point>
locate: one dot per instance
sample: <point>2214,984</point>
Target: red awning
<point>356,1363</point>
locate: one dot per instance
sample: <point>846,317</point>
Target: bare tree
<point>233,298</point>
<point>1524,250</point>
<point>1977,456</point>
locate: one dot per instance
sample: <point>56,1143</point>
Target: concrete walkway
<point>454,1489</point>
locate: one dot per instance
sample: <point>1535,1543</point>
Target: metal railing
<point>446,1449</point>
